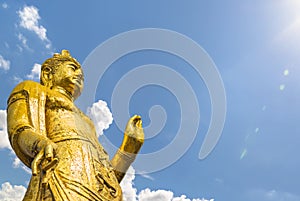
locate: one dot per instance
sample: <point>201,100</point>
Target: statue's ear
<point>46,76</point>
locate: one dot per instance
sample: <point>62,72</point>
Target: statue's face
<point>70,77</point>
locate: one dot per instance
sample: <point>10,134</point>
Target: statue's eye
<point>73,67</point>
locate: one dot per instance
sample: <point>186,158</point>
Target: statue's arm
<point>132,142</point>
<point>23,136</point>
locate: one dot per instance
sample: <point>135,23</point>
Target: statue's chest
<point>63,115</point>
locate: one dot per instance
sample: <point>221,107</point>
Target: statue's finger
<point>139,123</point>
<point>50,164</point>
<point>49,152</point>
<point>133,117</point>
<point>36,161</point>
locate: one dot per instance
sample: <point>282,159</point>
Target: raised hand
<point>132,143</point>
<point>134,128</point>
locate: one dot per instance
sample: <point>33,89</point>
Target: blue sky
<point>255,47</point>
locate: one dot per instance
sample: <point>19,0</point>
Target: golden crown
<point>65,56</point>
<point>59,58</point>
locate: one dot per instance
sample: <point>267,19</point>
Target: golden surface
<point>59,143</point>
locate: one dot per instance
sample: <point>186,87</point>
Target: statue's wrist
<point>126,156</point>
<point>135,138</point>
<point>131,144</point>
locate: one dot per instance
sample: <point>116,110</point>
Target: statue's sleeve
<point>23,108</point>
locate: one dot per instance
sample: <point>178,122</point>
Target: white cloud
<point>30,17</point>
<point>147,176</point>
<point>6,45</point>
<point>19,48</point>
<point>48,46</point>
<point>148,195</point>
<point>4,142</point>
<point>4,5</point>
<point>17,79</point>
<point>101,116</point>
<point>280,196</point>
<point>130,192</point>
<point>163,195</point>
<point>183,198</point>
<point>271,195</point>
<point>4,64</point>
<point>23,40</point>
<point>18,164</point>
<point>35,72</point>
<point>11,193</point>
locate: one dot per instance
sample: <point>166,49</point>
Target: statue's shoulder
<point>30,87</point>
<point>27,89</point>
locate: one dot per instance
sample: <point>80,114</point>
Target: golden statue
<point>58,142</point>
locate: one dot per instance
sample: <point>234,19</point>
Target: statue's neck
<point>63,91</point>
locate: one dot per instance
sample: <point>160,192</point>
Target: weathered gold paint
<point>58,142</point>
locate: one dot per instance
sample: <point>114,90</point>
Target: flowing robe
<point>83,171</point>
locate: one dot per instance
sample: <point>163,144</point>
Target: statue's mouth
<point>78,79</point>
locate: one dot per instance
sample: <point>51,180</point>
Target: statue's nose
<point>79,75</point>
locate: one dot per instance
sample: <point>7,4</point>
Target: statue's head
<point>62,70</point>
